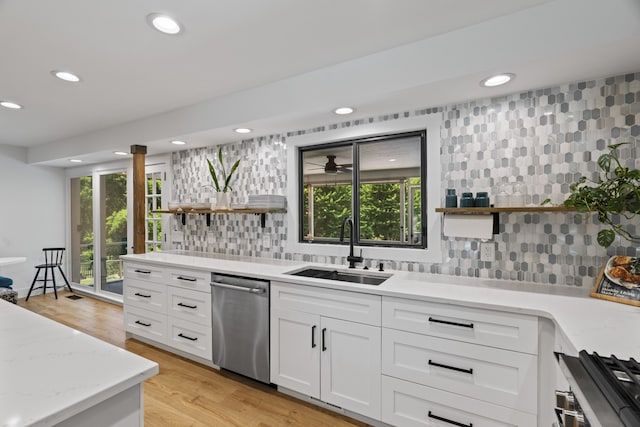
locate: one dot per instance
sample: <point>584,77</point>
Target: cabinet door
<point>350,366</point>
<point>295,351</point>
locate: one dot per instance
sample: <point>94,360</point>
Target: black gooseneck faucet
<point>351,258</point>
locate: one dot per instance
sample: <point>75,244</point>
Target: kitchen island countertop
<point>582,323</point>
<point>50,373</point>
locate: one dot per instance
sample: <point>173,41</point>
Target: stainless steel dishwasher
<point>240,318</point>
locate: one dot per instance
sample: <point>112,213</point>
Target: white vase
<point>222,201</point>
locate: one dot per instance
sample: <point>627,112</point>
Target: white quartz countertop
<point>50,372</point>
<point>582,323</point>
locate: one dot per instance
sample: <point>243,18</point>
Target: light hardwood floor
<point>186,393</point>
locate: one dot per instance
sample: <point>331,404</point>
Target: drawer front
<point>146,295</point>
<point>485,327</point>
<point>503,377</point>
<point>409,404</point>
<point>145,323</point>
<point>146,272</point>
<point>194,306</point>
<point>353,306</point>
<point>190,337</point>
<point>196,280</point>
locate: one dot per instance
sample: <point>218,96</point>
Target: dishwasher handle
<point>238,288</point>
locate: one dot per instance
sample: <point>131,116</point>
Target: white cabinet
<point>467,365</point>
<point>170,306</point>
<point>500,376</point>
<point>409,404</point>
<point>295,355</point>
<point>334,360</point>
<point>350,366</point>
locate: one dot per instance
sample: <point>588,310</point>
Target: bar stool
<point>52,260</point>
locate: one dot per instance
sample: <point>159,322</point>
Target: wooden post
<point>139,199</point>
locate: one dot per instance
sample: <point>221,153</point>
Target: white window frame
<point>433,252</point>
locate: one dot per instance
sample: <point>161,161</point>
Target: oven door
<point>588,398</point>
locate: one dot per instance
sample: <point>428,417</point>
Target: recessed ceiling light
<point>75,160</point>
<point>392,160</point>
<point>176,142</point>
<point>120,153</point>
<point>497,80</point>
<point>163,23</point>
<point>10,105</point>
<point>343,110</point>
<point>243,130</point>
<point>66,76</point>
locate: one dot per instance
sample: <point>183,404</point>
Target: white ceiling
<point>279,65</point>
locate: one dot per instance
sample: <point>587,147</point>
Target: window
<point>378,181</point>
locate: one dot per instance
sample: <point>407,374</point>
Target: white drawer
<point>146,295</point>
<point>486,327</point>
<point>194,306</point>
<point>409,404</point>
<point>146,323</point>
<point>353,306</point>
<point>504,377</point>
<point>190,337</point>
<point>147,272</point>
<point>197,280</point>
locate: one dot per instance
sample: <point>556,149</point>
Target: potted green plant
<point>616,192</point>
<point>222,185</point>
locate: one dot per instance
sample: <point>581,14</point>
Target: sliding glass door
<point>101,230</point>
<point>82,243</point>
<point>113,229</point>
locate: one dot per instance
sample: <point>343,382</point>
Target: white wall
<point>32,215</point>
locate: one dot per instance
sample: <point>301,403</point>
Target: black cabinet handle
<point>446,322</point>
<point>143,324</point>
<point>142,271</point>
<point>188,337</point>
<point>453,368</point>
<point>138,294</point>
<point>187,305</point>
<point>324,347</point>
<point>313,337</point>
<point>455,423</point>
<point>187,279</point>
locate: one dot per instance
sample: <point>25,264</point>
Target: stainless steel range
<point>606,389</point>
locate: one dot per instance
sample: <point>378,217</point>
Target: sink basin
<point>342,276</point>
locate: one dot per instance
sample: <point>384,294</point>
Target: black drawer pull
<point>446,322</point>
<point>453,368</point>
<point>142,271</point>
<point>187,305</point>
<point>455,423</point>
<point>324,347</point>
<point>188,337</point>
<point>143,324</point>
<point>138,294</point>
<point>313,337</point>
<point>187,279</point>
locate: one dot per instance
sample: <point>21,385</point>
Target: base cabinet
<point>413,405</point>
<point>336,361</point>
<point>333,360</point>
<point>170,306</point>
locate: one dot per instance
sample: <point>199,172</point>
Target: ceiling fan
<point>332,167</point>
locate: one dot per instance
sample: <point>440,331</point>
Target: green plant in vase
<point>221,183</point>
<point>616,192</point>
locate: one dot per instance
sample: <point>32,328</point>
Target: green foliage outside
<point>380,210</point>
<point>115,224</point>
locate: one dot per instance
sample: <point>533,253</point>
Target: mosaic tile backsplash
<point>544,139</point>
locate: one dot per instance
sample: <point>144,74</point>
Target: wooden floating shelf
<point>208,212</point>
<point>531,209</point>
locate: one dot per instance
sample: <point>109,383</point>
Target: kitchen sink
<point>363,278</point>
